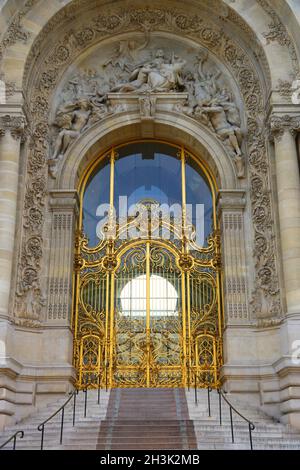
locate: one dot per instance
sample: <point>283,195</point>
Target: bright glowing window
<point>163,297</point>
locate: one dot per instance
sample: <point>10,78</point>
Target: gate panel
<point>147,308</point>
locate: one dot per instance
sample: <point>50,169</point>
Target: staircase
<point>267,435</point>
<point>152,419</point>
<point>147,419</point>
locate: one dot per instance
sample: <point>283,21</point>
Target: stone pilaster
<point>64,207</point>
<point>11,129</point>
<point>231,206</point>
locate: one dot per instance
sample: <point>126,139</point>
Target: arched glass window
<point>147,171</point>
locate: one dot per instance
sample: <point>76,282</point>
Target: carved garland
<point>266,299</point>
<point>278,32</point>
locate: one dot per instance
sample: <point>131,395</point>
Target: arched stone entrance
<point>236,50</point>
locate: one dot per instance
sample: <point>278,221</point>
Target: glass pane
<point>96,193</point>
<point>146,171</point>
<point>163,297</point>
<point>199,202</point>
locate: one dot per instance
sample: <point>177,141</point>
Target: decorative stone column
<point>11,129</point>
<point>287,367</point>
<point>288,188</point>
<point>64,207</point>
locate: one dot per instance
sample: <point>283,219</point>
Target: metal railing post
<point>106,381</point>
<point>62,425</point>
<point>251,428</point>
<point>85,401</point>
<point>208,400</point>
<point>42,437</point>
<point>99,386</point>
<point>196,394</point>
<point>231,424</point>
<point>74,408</point>
<point>220,407</point>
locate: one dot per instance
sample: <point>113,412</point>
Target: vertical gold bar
<point>215,361</point>
<point>189,325</point>
<point>111,336</point>
<point>112,178</point>
<point>112,276</point>
<point>148,310</point>
<point>76,300</point>
<point>81,364</point>
<point>219,358</point>
<point>218,288</point>
<point>183,308</point>
<point>183,197</point>
<point>107,342</point>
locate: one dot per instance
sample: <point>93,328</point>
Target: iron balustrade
<point>251,426</point>
<point>14,438</point>
<point>221,395</point>
<point>41,427</point>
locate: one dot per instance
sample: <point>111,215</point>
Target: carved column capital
<point>278,125</point>
<point>14,124</point>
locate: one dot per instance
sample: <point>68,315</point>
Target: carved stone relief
<point>15,31</point>
<point>132,69</point>
<point>218,110</point>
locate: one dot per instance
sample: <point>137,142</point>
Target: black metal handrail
<point>41,427</point>
<point>14,438</point>
<point>251,426</point>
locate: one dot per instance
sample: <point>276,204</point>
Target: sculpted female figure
<point>167,76</point>
<point>157,76</point>
<point>72,120</point>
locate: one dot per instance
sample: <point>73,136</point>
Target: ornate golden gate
<point>147,311</point>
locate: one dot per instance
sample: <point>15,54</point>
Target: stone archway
<point>64,199</point>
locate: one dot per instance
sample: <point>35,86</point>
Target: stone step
<point>148,419</point>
